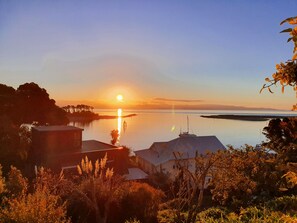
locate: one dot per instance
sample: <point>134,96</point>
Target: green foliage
<point>166,216</point>
<point>283,204</point>
<point>282,209</point>
<point>251,213</point>
<point>214,213</point>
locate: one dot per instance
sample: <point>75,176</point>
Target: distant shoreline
<point>254,118</point>
<point>115,116</point>
<point>97,117</point>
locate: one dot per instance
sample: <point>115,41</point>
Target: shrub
<point>134,220</point>
<point>251,213</point>
<point>137,200</point>
<point>39,206</point>
<point>16,184</point>
<point>166,216</point>
<point>2,181</point>
<point>285,203</point>
<point>214,213</point>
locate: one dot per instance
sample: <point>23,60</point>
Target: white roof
<point>186,145</point>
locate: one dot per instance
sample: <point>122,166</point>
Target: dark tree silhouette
<point>114,135</point>
<point>282,138</point>
<point>34,105</point>
<point>7,100</point>
<point>28,104</point>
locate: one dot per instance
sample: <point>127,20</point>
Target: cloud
<point>177,100</point>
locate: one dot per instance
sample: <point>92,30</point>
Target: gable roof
<point>135,174</point>
<point>186,145</point>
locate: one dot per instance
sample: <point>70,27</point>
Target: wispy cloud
<point>177,100</point>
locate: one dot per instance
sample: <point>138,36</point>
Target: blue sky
<point>218,52</point>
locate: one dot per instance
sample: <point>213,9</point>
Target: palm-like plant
<point>98,187</point>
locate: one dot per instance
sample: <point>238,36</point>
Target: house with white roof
<point>161,156</point>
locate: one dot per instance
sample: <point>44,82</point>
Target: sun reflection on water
<point>119,122</point>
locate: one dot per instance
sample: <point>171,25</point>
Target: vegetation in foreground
<point>248,185</point>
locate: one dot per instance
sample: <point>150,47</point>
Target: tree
<point>188,187</point>
<point>282,138</point>
<point>34,105</point>
<point>242,175</point>
<point>9,144</point>
<point>15,144</point>
<point>286,73</point>
<point>7,99</point>
<point>114,136</point>
<point>282,133</point>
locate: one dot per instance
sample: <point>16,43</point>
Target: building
<point>61,147</point>
<point>49,141</point>
<point>161,156</point>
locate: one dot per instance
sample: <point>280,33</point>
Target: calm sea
<point>139,132</point>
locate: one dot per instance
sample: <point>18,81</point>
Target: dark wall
<point>49,143</point>
<point>116,158</point>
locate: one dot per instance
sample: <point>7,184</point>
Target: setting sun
<point>120,97</point>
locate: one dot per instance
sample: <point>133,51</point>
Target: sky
<point>187,54</point>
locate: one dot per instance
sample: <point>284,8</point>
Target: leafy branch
<point>286,73</point>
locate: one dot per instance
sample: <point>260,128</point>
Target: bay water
<point>148,126</point>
